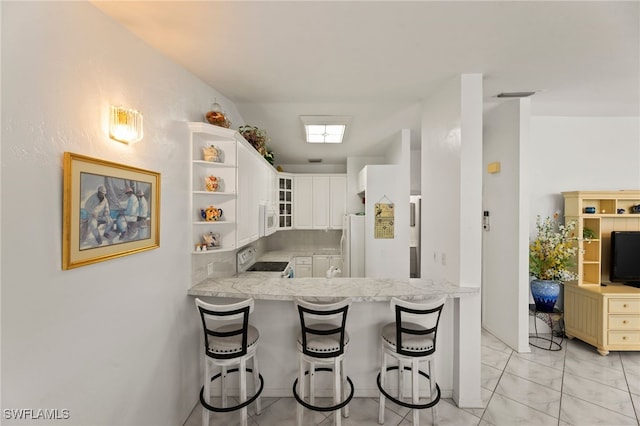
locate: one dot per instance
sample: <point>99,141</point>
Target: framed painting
<point>109,210</point>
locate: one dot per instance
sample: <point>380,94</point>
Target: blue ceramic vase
<point>545,294</point>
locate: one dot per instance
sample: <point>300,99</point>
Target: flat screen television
<point>625,257</point>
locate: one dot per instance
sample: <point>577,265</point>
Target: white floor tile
<point>283,413</point>
<point>364,411</point>
<point>490,341</point>
<point>494,358</point>
<point>597,372</point>
<point>631,361</point>
<point>605,396</point>
<point>553,359</point>
<point>633,381</point>
<point>535,372</point>
<point>489,377</point>
<point>636,404</point>
<point>576,411</point>
<point>529,393</point>
<point>504,411</point>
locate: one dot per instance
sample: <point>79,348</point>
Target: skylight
<point>325,128</point>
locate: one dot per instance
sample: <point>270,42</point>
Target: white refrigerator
<point>352,245</point>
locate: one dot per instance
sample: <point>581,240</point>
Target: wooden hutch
<point>597,311</point>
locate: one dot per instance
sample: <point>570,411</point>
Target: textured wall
<point>115,342</point>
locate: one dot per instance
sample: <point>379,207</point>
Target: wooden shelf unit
<point>603,314</point>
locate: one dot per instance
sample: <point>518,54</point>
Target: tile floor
<point>575,386</point>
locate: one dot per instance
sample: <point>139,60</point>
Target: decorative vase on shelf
<point>545,294</point>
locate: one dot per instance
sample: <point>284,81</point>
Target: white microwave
<point>268,221</point>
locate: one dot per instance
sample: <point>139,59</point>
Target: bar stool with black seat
<point>229,340</point>
<point>323,340</point>
<point>411,339</point>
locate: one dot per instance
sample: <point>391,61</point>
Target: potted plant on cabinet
<point>550,257</point>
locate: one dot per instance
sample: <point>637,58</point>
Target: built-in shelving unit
<point>603,314</point>
<point>203,135</point>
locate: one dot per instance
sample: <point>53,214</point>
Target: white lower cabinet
<point>303,267</point>
<point>322,263</point>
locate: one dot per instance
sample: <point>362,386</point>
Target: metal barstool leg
<point>256,381</point>
<point>415,389</point>
<point>383,373</point>
<point>206,392</point>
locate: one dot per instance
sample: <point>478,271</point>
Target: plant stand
<point>555,322</point>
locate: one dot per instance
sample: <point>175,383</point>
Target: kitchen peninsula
<point>276,319</point>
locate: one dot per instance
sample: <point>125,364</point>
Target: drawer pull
<point>624,306</point>
<point>624,337</point>
<point>624,321</point>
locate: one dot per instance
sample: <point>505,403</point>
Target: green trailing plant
<point>588,234</point>
<point>258,139</point>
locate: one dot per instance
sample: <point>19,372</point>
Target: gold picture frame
<point>109,210</point>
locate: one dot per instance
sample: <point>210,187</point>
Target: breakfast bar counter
<point>457,359</point>
<point>264,286</point>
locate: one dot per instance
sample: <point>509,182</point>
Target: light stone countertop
<point>266,286</point>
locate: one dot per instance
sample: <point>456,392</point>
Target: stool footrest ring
<point>407,404</point>
<point>235,407</point>
<point>317,408</point>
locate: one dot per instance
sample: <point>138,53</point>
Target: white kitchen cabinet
<point>322,263</point>
<point>303,267</point>
<point>338,201</point>
<point>319,201</point>
<point>248,194</point>
<point>285,200</point>
<point>303,202</point>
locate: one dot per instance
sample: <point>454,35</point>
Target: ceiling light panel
<point>325,128</point>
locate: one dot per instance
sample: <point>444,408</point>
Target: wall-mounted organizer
<point>213,177</point>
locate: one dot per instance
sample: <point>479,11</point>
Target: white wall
<point>451,214</point>
<point>580,153</point>
<point>116,342</point>
<point>505,244</point>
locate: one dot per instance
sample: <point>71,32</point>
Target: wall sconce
<point>125,125</point>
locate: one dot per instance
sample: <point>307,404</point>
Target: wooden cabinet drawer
<point>624,322</point>
<point>624,337</point>
<point>624,306</point>
<point>304,260</point>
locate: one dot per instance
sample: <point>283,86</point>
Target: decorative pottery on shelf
<point>211,214</point>
<point>212,183</point>
<point>216,116</point>
<point>211,153</point>
<point>545,294</point>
